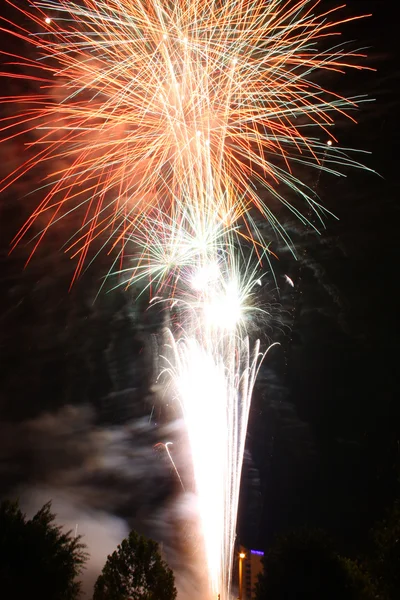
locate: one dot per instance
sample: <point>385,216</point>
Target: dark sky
<point>324,433</point>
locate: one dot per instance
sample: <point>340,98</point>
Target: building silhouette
<point>252,566</point>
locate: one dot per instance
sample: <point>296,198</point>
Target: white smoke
<point>102,482</point>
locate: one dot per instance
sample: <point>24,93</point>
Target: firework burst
<point>144,105</point>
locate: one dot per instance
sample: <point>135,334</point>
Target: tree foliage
<point>38,559</point>
<point>135,571</point>
<point>304,566</point>
<point>385,561</point>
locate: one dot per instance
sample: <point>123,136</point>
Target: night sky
<point>323,447</point>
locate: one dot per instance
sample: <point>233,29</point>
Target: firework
<point>142,105</point>
<point>174,130</point>
<point>213,366</point>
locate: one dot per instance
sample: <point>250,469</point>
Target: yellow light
<point>329,143</point>
<point>242,555</point>
<point>47,20</point>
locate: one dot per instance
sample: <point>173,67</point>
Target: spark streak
<point>171,460</point>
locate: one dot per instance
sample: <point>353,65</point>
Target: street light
<point>242,556</point>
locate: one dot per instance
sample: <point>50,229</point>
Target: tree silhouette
<point>37,559</point>
<point>385,560</point>
<point>135,571</point>
<point>304,566</point>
